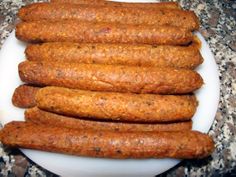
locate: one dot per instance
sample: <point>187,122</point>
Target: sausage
<point>122,145</point>
<point>39,116</point>
<point>117,54</point>
<point>109,14</point>
<point>110,77</point>
<point>87,32</point>
<point>24,96</point>
<point>117,106</point>
<point>169,5</point>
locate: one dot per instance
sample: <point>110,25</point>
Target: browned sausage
<point>116,106</point>
<point>122,145</point>
<point>39,116</point>
<point>24,96</point>
<point>109,14</point>
<point>117,54</point>
<point>169,5</point>
<point>110,77</point>
<point>75,31</point>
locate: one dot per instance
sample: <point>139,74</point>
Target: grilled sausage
<point>24,96</point>
<point>117,54</point>
<point>109,14</point>
<point>166,5</point>
<point>116,106</point>
<point>110,77</point>
<point>122,145</point>
<point>39,116</point>
<point>75,31</point>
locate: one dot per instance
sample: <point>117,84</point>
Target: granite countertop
<point>218,26</point>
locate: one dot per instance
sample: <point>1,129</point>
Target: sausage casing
<point>122,145</point>
<point>110,77</point>
<point>117,54</point>
<point>169,5</point>
<point>88,32</point>
<point>39,116</point>
<point>24,96</point>
<point>116,106</point>
<point>109,14</point>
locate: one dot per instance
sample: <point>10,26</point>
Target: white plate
<point>12,54</point>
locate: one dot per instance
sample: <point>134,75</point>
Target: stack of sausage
<point>109,79</point>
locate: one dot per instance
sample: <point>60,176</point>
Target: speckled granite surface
<point>218,26</point>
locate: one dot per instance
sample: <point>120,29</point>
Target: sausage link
<point>39,116</point>
<point>109,14</point>
<point>75,31</point>
<point>110,77</point>
<point>116,106</point>
<point>122,145</point>
<point>169,5</point>
<point>24,96</point>
<point>117,54</point>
